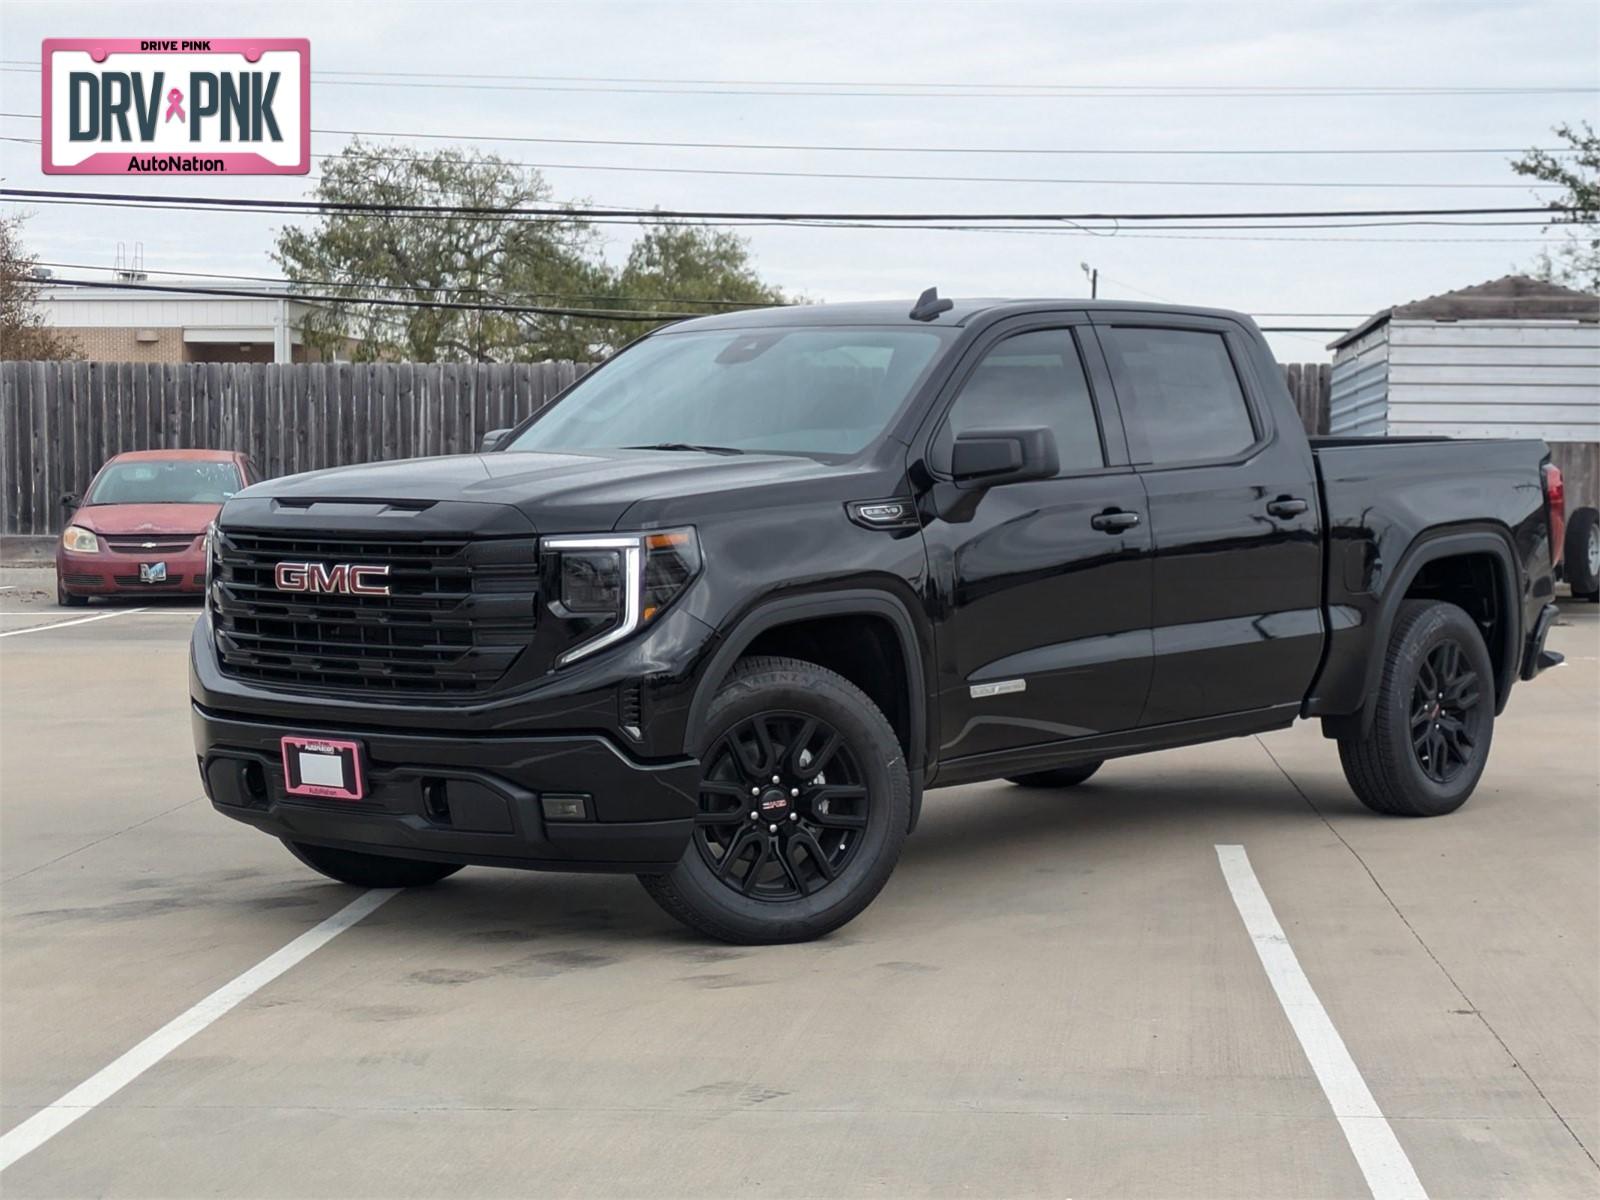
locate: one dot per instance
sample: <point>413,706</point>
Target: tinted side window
<point>1178,386</point>
<point>1029,380</point>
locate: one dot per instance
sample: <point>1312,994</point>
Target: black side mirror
<point>69,500</point>
<point>990,457</point>
<point>491,440</point>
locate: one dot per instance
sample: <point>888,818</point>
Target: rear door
<point>1236,609</point>
<point>1042,603</point>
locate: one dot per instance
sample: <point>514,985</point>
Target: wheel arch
<point>782,624</point>
<point>1424,564</point>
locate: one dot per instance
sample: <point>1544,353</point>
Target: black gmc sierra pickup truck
<point>724,611</point>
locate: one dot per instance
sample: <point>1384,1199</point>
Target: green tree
<point>672,263</point>
<point>676,269</point>
<point>481,258</point>
<point>1576,261</point>
<point>24,337</point>
<point>490,257</point>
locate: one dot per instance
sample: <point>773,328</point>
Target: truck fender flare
<point>1429,548</point>
<point>789,610</point>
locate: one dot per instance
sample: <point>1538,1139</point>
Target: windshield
<point>182,482</point>
<point>826,391</point>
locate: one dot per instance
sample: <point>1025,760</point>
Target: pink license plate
<point>322,767</point>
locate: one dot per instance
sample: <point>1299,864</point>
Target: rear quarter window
<point>1180,389</point>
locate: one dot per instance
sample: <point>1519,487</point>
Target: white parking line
<point>101,1086</point>
<point>105,616</point>
<point>1388,1171</point>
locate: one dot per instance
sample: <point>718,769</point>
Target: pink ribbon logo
<point>175,105</point>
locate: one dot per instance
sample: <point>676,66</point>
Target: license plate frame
<point>309,764</point>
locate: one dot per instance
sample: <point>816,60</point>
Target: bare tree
<point>23,334</point>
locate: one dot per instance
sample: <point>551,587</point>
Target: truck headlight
<point>208,547</point>
<point>76,537</point>
<point>619,581</point>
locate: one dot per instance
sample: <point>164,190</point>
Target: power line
<point>1103,231</point>
<point>599,314</point>
<point>570,212</point>
<point>454,82</point>
<point>404,287</point>
<point>1327,89</point>
<point>1268,88</point>
<point>595,314</point>
<point>1148,295</point>
<point>378,156</point>
<point>847,149</point>
<point>1076,230</point>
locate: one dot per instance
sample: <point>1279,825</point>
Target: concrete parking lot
<point>1055,996</point>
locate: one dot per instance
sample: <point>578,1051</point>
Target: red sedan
<point>140,528</point>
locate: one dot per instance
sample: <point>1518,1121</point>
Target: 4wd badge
<point>165,106</point>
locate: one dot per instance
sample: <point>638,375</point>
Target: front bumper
<point>460,799</point>
<point>113,573</point>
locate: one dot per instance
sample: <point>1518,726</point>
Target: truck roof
<point>898,312</point>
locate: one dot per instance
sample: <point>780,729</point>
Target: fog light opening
<point>253,780</point>
<point>436,801</point>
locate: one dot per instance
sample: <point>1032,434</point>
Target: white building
<point>1514,357</point>
<point>132,324</point>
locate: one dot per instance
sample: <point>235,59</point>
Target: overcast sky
<point>1498,43</point>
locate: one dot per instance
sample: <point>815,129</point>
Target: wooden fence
<point>1311,385</point>
<point>59,421</point>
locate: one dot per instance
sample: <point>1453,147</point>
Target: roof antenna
<point>929,306</point>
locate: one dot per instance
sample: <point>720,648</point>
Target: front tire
<point>1060,777</point>
<point>805,802</point>
<point>1435,718</point>
<point>66,599</point>
<point>370,870</point>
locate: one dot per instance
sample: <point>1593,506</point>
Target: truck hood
<point>557,493</point>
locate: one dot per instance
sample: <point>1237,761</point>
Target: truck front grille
<point>458,613</point>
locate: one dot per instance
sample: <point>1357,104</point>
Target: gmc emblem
<point>355,579</point>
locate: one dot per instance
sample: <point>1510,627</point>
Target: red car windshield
<point>179,482</point>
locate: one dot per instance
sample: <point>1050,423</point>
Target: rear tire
<point>370,870</point>
<point>804,804</point>
<point>1434,723</point>
<point>1060,777</point>
<point>1581,557</point>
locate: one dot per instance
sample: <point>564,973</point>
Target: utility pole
<point>1093,275</point>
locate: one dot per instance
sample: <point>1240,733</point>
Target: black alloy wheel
<point>804,803</point>
<point>783,806</point>
<point>1446,703</point>
<point>1432,723</point>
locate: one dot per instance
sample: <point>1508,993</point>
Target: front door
<point>1042,588</point>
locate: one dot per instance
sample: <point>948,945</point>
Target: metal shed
<point>1514,357</point>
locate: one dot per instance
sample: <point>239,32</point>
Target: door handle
<point>1287,506</point>
<point>1114,520</point>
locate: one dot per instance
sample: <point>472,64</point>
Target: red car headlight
<point>80,540</point>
